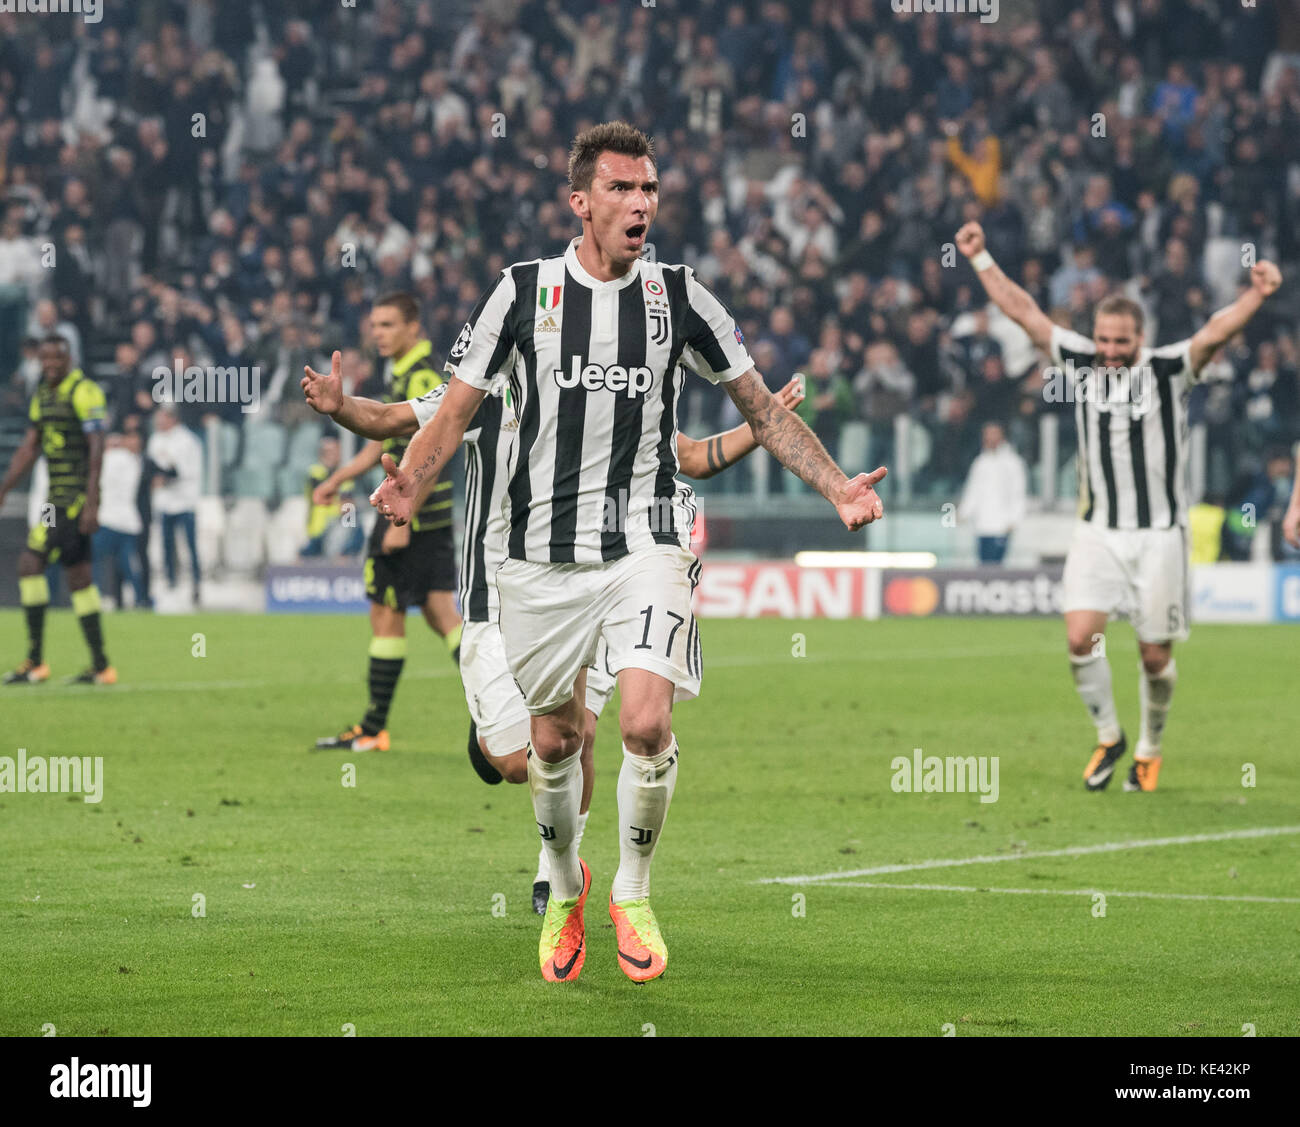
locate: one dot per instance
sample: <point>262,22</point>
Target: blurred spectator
<point>828,401</point>
<point>361,155</point>
<point>178,456</point>
<point>1264,501</point>
<point>119,517</point>
<point>1205,522</point>
<point>321,518</point>
<point>993,499</point>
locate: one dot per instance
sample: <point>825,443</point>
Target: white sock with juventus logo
<point>557,793</point>
<point>1155,691</point>
<point>1092,679</point>
<point>544,863</point>
<point>645,788</point>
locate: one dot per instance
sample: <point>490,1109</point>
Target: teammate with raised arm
<point>1129,554</point>
<point>495,702</point>
<point>590,342</point>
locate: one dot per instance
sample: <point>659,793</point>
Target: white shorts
<point>1137,574</point>
<point>553,615</point>
<point>601,683</point>
<point>494,700</point>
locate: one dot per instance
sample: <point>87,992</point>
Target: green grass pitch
<point>373,906</point>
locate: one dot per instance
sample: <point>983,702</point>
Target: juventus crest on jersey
<point>1133,433</point>
<point>594,371</point>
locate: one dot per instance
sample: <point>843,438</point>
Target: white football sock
<point>543,862</point>
<point>645,788</point>
<point>1092,679</point>
<point>1155,692</point>
<point>557,791</point>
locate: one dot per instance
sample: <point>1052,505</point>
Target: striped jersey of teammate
<point>1133,433</point>
<point>595,373</point>
<point>489,444</point>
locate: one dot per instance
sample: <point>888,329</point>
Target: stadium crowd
<point>231,182</point>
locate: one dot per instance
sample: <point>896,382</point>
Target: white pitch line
<point>1071,851</point>
<point>1061,892</point>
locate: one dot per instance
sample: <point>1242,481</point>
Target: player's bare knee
<point>557,740</point>
<point>1155,659</point>
<point>29,564</point>
<point>513,767</point>
<point>1080,644</point>
<point>647,733</point>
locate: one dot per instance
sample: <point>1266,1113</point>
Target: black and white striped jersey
<point>596,373</point>
<point>489,443</point>
<point>1132,431</point>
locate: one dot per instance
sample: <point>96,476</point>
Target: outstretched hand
<point>1291,526</point>
<point>1265,278</point>
<point>858,504</point>
<point>395,497</point>
<point>792,394</point>
<point>970,239</point>
<point>325,392</point>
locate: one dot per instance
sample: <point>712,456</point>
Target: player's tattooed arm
<point>407,486</point>
<point>1228,321</point>
<point>787,437</point>
<point>366,417</point>
<point>1005,294</point>
<point>372,419</point>
<point>708,456</point>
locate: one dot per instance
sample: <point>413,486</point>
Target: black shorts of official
<point>404,578</point>
<point>62,542</point>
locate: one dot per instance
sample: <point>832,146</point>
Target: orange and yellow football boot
<point>642,953</point>
<point>563,948</point>
<point>1143,775</point>
<point>1096,776</point>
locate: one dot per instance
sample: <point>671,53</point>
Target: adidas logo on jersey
<point>550,325</point>
<point>597,377</point>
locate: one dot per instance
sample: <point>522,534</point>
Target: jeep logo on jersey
<point>596,377</point>
<point>462,342</point>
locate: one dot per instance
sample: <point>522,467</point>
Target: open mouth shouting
<point>636,235</point>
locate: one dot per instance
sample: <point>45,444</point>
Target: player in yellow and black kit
<point>67,426</point>
<point>321,517</point>
<point>412,565</point>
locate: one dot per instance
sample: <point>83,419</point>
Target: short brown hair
<point>607,137</point>
<point>1119,305</point>
<point>403,302</point>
